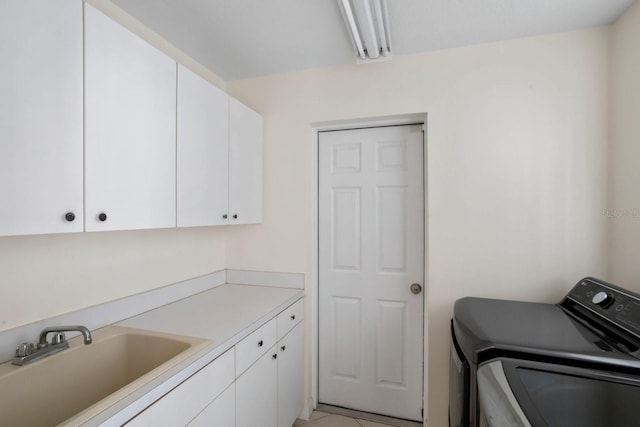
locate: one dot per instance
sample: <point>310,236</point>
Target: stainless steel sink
<point>86,379</point>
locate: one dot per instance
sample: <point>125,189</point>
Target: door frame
<point>316,128</point>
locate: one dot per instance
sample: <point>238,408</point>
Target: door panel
<point>346,344</point>
<point>391,229</point>
<point>390,343</point>
<point>346,229</point>
<point>371,249</point>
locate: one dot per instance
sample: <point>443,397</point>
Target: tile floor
<point>323,419</point>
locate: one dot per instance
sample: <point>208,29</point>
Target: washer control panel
<point>603,299</point>
<point>616,305</point>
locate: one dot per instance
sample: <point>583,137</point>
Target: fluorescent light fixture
<point>368,24</point>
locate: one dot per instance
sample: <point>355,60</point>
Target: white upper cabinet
<point>203,133</point>
<point>40,117</point>
<point>161,147</point>
<point>245,164</point>
<point>130,129</point>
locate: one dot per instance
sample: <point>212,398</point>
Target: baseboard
<point>307,410</point>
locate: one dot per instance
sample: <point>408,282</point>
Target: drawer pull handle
<point>260,343</point>
<point>293,317</point>
<point>275,356</point>
<point>283,348</point>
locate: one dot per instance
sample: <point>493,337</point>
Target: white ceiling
<point>247,38</point>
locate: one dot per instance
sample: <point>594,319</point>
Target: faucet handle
<point>25,349</point>
<point>58,338</point>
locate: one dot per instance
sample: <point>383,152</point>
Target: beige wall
<point>43,276</point>
<point>623,209</point>
<point>517,147</point>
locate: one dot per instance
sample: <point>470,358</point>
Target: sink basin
<point>89,378</point>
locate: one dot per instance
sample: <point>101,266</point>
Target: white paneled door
<point>371,252</point>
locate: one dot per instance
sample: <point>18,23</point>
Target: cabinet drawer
<point>255,345</point>
<point>290,318</point>
<point>191,397</point>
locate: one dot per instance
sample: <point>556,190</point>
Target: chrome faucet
<point>28,352</point>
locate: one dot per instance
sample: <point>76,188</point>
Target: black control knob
<point>224,216</point>
<point>235,216</point>
<point>102,216</point>
<point>69,216</point>
<point>602,299</point>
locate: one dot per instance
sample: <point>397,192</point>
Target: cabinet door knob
<point>69,216</point>
<point>260,343</point>
<point>283,348</point>
<point>235,216</point>
<point>224,216</point>
<point>275,356</point>
<point>293,317</point>
<point>102,216</point>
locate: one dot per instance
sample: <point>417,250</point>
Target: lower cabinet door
<point>256,393</point>
<point>186,401</point>
<point>290,381</point>
<point>220,413</point>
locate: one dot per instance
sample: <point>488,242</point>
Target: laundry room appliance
<point>575,363</point>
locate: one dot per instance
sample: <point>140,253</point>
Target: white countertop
<point>219,314</point>
<point>225,315</point>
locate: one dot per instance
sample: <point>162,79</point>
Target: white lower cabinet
<point>186,401</point>
<point>268,390</point>
<point>290,381</point>
<point>271,392</point>
<point>220,413</point>
<point>256,399</point>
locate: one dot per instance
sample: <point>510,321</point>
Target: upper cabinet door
<point>130,129</point>
<point>245,164</point>
<point>203,132</point>
<point>40,116</point>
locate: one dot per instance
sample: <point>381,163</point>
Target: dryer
<point>575,363</point>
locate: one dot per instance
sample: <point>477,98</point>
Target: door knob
<point>416,288</point>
